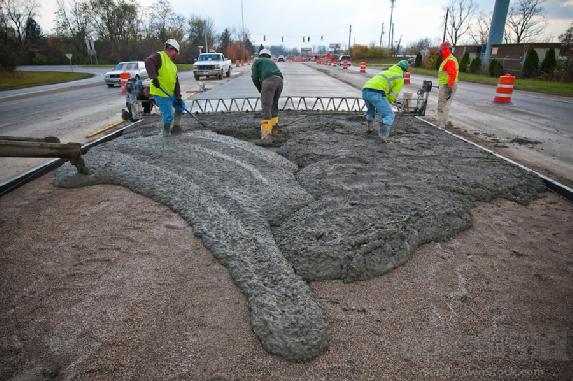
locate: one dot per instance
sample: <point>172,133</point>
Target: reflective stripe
<point>394,94</point>
<point>390,84</point>
<point>503,95</point>
<point>505,86</point>
<point>443,76</point>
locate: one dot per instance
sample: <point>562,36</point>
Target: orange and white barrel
<point>334,63</point>
<point>504,89</point>
<point>362,66</point>
<point>407,78</point>
<point>123,77</point>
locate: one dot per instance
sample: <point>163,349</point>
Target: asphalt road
<point>535,129</point>
<point>69,111</point>
<point>299,80</point>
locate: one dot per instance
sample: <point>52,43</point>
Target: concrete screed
<point>327,201</point>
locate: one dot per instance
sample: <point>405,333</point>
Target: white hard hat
<point>172,43</point>
<point>265,51</point>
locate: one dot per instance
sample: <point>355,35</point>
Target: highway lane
<point>70,113</point>
<point>299,80</point>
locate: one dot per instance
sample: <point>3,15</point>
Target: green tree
<point>495,68</point>
<point>475,65</point>
<point>531,65</point>
<point>224,40</point>
<point>418,61</point>
<point>549,62</point>
<point>32,31</point>
<point>465,62</point>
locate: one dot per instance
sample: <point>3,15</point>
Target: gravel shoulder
<point>102,283</point>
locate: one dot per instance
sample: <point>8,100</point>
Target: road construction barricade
<point>334,63</point>
<point>123,77</point>
<point>345,65</point>
<point>504,89</point>
<point>362,67</point>
<point>407,78</point>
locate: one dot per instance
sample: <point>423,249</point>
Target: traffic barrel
<point>362,66</point>
<point>334,63</point>
<point>238,63</point>
<point>123,77</point>
<point>504,89</point>
<point>407,78</point>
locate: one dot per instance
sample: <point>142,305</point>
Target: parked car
<point>135,68</point>
<point>346,58</point>
<point>212,65</point>
<point>281,58</point>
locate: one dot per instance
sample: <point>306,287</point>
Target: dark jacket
<point>264,68</point>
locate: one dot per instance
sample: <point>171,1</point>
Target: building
<point>511,56</point>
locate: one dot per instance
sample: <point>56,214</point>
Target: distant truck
<point>212,65</point>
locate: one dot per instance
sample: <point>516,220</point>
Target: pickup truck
<point>212,65</point>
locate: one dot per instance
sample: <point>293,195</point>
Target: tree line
<point>120,29</point>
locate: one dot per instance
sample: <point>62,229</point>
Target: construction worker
<point>165,86</point>
<point>447,81</point>
<point>379,92</point>
<point>268,79</point>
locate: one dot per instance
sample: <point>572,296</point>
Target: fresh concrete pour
<point>331,203</point>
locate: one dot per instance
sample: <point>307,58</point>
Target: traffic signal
<point>303,39</point>
<point>264,37</point>
<point>308,38</point>
<point>282,39</point>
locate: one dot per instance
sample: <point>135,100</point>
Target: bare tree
<point>525,20</point>
<point>480,29</point>
<point>460,14</point>
<point>18,12</point>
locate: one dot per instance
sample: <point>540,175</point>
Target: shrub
<point>439,60</point>
<point>549,62</point>
<point>495,68</point>
<point>465,62</point>
<point>39,59</point>
<point>475,65</point>
<point>531,65</point>
<point>418,62</point>
<point>431,59</point>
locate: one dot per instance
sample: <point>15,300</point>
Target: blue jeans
<point>166,106</point>
<point>376,102</point>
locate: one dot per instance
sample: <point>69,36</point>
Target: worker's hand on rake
<point>155,82</point>
<point>179,105</point>
<point>449,92</point>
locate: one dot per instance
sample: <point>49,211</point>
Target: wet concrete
<point>326,201</point>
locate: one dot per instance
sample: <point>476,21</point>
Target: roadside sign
<point>69,55</point>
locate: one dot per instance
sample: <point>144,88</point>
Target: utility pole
<point>349,34</point>
<point>381,34</point>
<point>391,27</point>
<point>446,24</point>
<point>243,26</point>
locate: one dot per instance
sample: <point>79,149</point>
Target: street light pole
<point>349,34</point>
<point>391,27</point>
<point>243,31</point>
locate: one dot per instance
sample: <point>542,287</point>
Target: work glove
<point>179,104</point>
<point>155,82</point>
<point>449,92</point>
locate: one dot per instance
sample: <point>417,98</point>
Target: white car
<point>135,68</point>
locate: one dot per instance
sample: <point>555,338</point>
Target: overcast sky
<point>293,19</point>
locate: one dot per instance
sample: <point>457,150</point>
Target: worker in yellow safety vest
<point>379,92</point>
<point>165,86</point>
<point>447,82</point>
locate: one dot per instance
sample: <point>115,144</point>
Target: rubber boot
<point>166,129</point>
<point>176,129</point>
<point>384,132</point>
<point>275,123</point>
<point>369,126</point>
<point>266,129</point>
